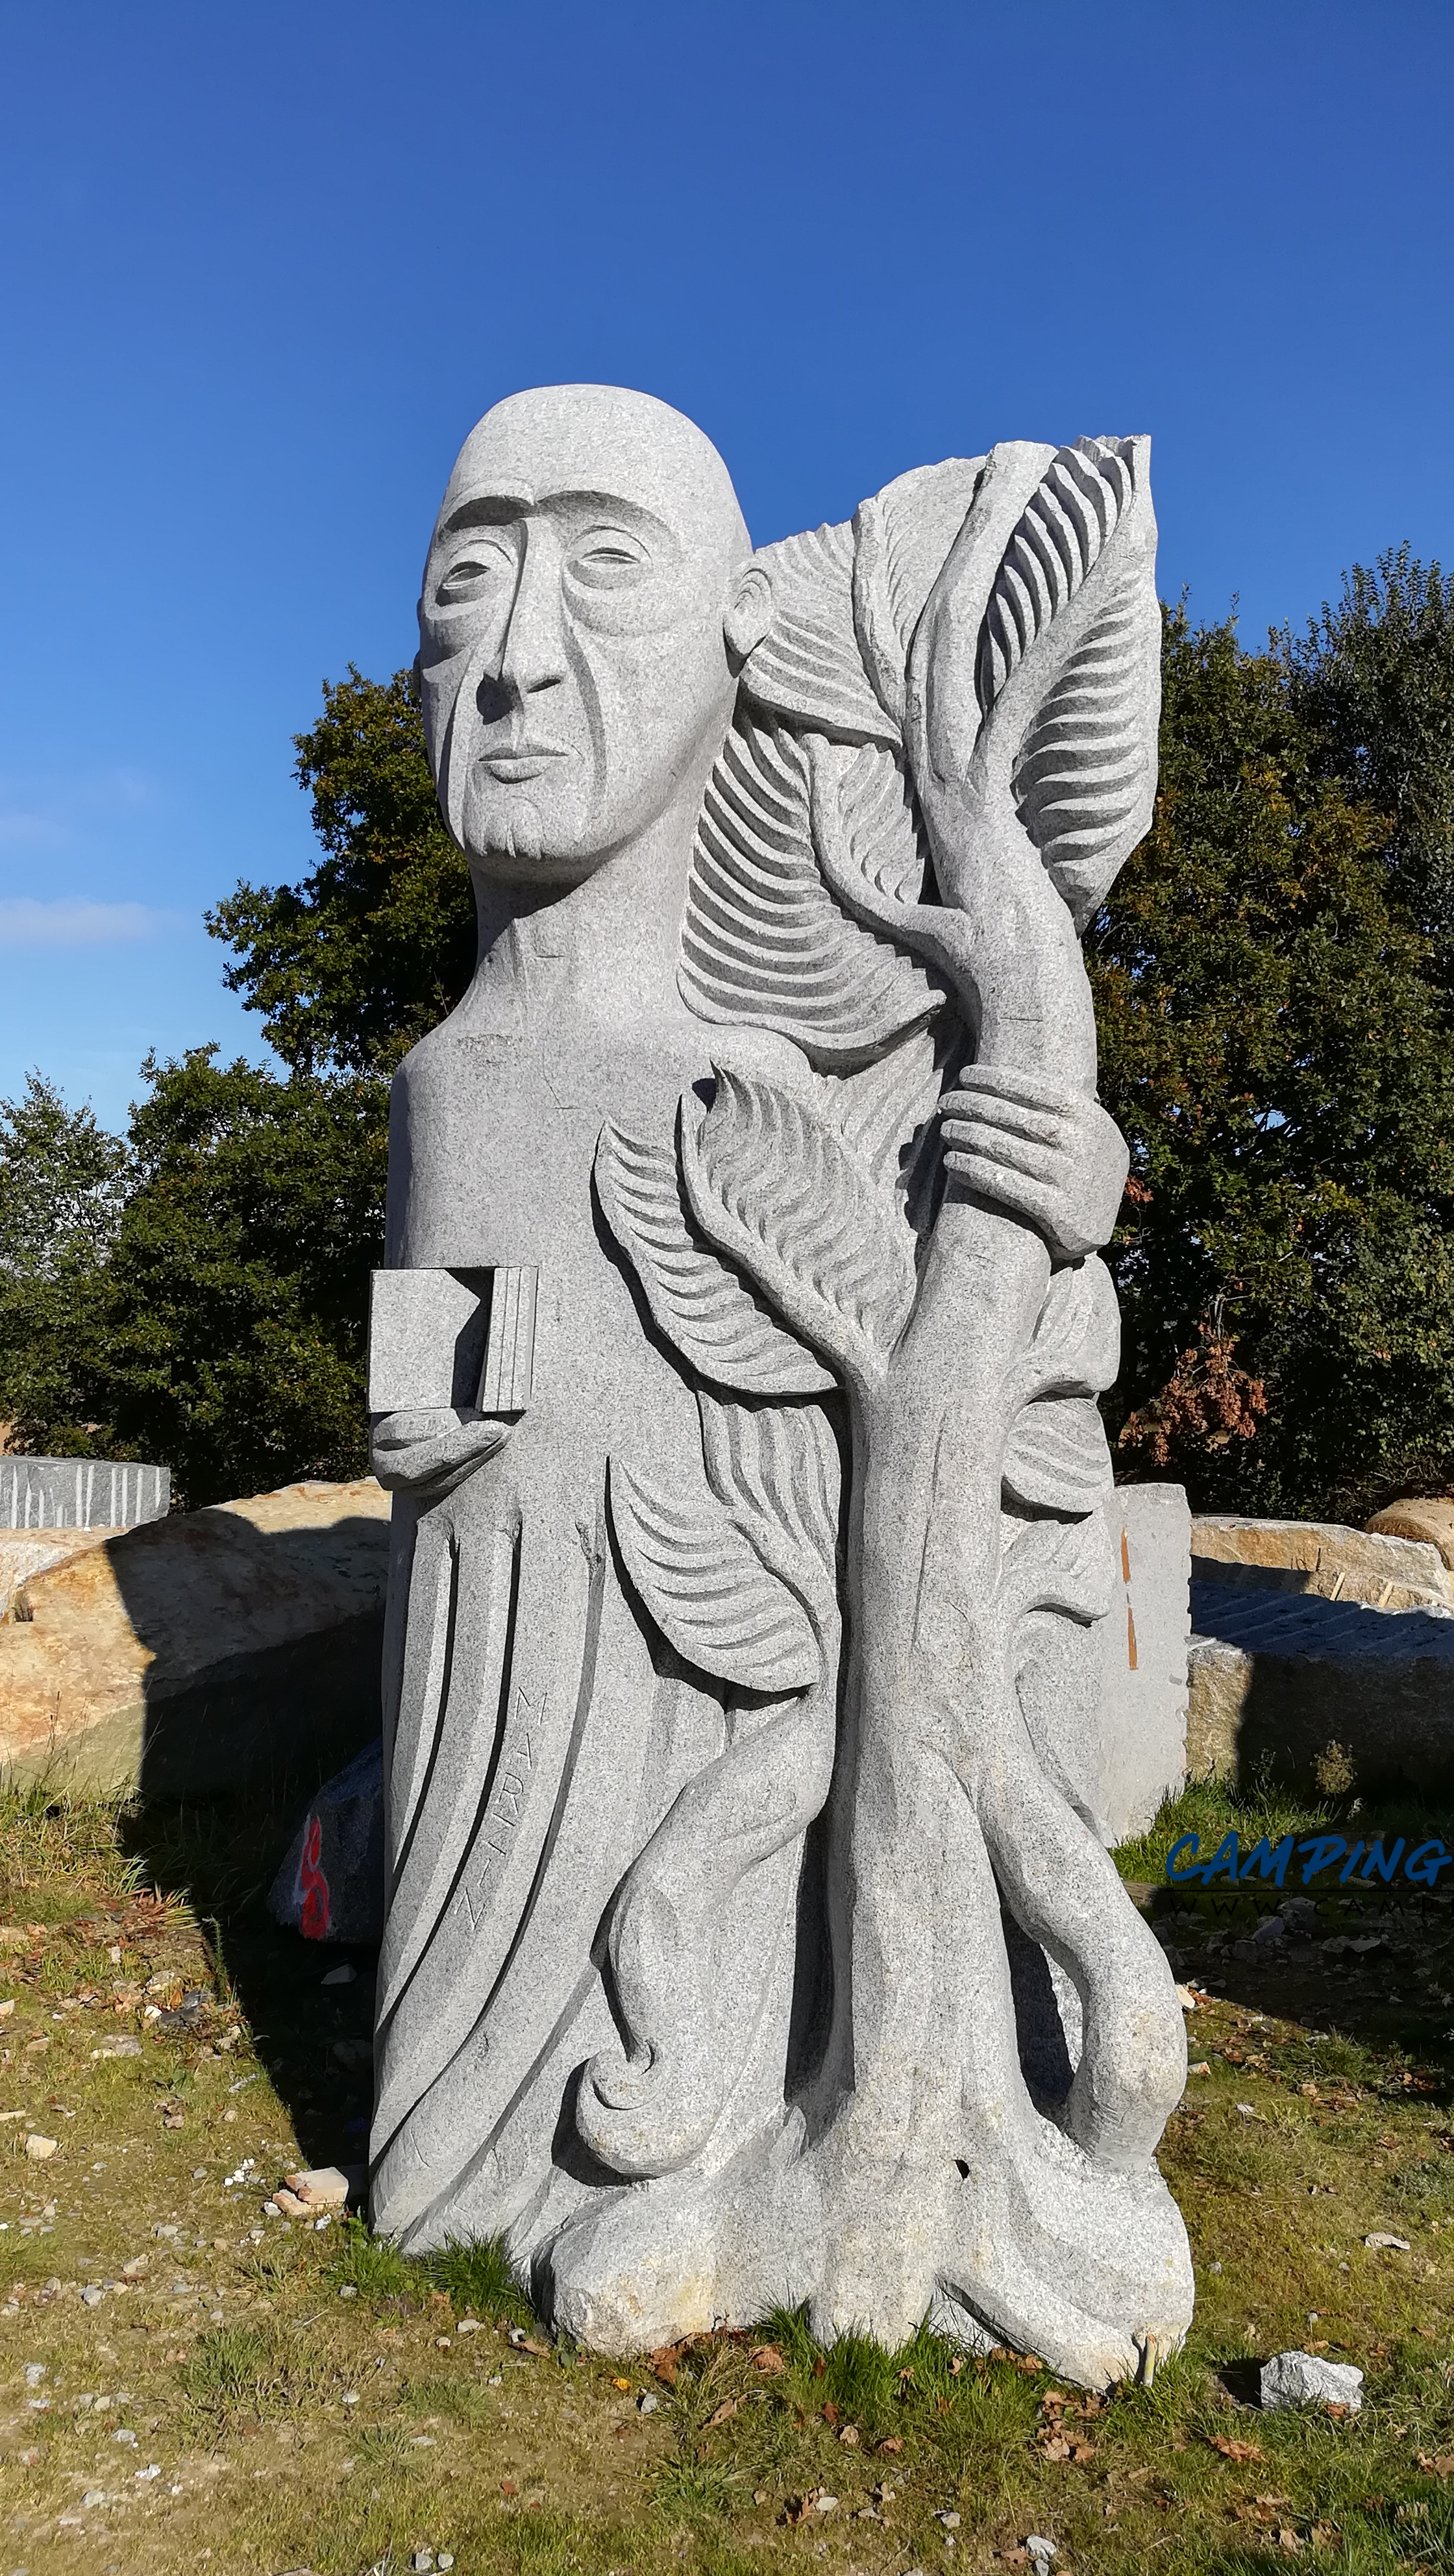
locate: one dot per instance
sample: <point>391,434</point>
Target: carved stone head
<point>574,665</point>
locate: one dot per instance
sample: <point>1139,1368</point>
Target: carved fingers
<point>410,1452</point>
<point>1045,1152</point>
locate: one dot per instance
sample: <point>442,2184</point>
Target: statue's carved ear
<point>748,614</point>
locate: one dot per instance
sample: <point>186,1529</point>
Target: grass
<point>308,2399</point>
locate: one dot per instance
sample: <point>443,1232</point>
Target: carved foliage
<point>1076,581</point>
<point>763,940</point>
<point>707,1310</point>
<point>777,1188</point>
<point>740,1577</point>
<point>1056,1457</point>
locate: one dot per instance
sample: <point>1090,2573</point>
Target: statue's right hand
<point>435,1446</point>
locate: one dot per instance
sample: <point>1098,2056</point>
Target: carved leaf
<point>809,666</point>
<point>878,823</point>
<point>1066,523</point>
<point>710,1591</point>
<point>1076,1345</point>
<point>1057,1458</point>
<point>1083,772</point>
<point>903,539</point>
<point>776,1188</point>
<point>1060,1565</point>
<point>779,1465</point>
<point>707,1310</point>
<point>763,940</point>
<point>881,1110</point>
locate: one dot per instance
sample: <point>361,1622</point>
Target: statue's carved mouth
<point>519,761</point>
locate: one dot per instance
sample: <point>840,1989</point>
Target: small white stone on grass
<point>1303,2379</point>
<point>34,2373</point>
<point>646,2404</point>
<point>1381,2244</point>
<point>39,2149</point>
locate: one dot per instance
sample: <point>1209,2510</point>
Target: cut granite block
<point>81,1493</point>
<point>1278,1677</point>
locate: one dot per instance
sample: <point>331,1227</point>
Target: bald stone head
<point>587,592</point>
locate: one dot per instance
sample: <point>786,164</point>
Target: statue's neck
<point>606,951</point>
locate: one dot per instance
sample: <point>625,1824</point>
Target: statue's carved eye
<point>471,576</point>
<point>609,559</point>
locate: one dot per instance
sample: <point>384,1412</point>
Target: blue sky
<point>261,268</point>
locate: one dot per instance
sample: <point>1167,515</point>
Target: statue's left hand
<point>437,1446</point>
<point>1049,1154</point>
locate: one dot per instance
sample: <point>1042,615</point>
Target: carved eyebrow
<point>489,510</point>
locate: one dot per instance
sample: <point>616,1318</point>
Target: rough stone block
<point>190,1652</point>
<point>1431,1522</point>
<point>1143,1705</point>
<point>1305,2379</point>
<point>1279,1677</point>
<point>80,1493</point>
<point>1389,1572</point>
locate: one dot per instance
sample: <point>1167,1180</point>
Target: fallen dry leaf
<point>1441,2466</point>
<point>830,2412</point>
<point>508,2487</point>
<point>666,2362</point>
<point>1234,2450</point>
<point>766,2356</point>
<point>892,2442</point>
<point>723,2415</point>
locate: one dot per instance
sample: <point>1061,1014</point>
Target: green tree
<point>1276,1047</point>
<point>349,968</point>
<point>1373,679</point>
<point>237,1291</point>
<point>63,1183</point>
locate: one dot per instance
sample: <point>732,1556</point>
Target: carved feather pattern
<point>777,1189</point>
<point>710,1590</point>
<point>1065,526</point>
<point>707,1310</point>
<point>1057,1458</point>
<point>763,941</point>
<point>809,665</point>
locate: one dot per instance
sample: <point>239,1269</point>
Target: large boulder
<point>1431,1522</point>
<point>193,1653</point>
<point>1390,1570</point>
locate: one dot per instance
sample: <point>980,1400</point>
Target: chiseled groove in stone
<point>454,1852</point>
<point>451,2191</point>
<point>423,1691</point>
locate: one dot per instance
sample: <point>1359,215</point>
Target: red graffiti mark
<point>313,1923</point>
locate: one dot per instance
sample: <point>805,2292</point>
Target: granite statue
<point>735,1369</point>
